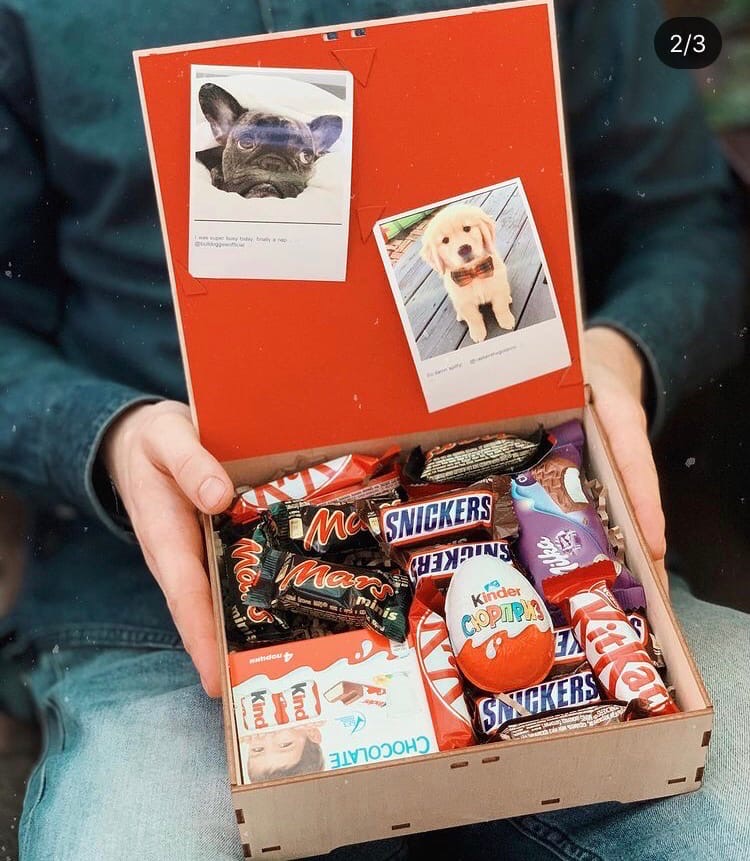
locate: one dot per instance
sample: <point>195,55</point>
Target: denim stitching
<point>99,635</point>
<point>553,839</point>
<point>38,778</point>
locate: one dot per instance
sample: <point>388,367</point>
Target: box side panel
<point>312,816</point>
<point>683,674</point>
<point>230,734</point>
<point>257,470</point>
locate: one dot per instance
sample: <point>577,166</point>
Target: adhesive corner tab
<point>358,61</point>
<point>367,216</point>
<point>187,283</point>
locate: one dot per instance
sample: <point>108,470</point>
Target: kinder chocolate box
<point>327,704</point>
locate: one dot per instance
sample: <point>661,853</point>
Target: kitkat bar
<point>569,654</point>
<point>443,683</point>
<point>611,645</point>
<point>321,480</point>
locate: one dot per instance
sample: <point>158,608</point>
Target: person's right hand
<point>163,475</point>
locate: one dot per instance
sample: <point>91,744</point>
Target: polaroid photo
<point>270,173</point>
<point>473,290</point>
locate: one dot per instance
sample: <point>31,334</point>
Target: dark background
<point>703,453</point>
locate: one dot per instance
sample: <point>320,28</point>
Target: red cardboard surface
<point>443,105</point>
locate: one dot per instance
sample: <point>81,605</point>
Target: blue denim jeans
<point>133,767</point>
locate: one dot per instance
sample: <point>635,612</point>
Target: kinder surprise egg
<point>498,626</point>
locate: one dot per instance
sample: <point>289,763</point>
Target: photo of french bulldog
<point>270,172</point>
<point>260,153</point>
<point>473,292</point>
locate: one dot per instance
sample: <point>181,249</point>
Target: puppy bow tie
<point>483,269</point>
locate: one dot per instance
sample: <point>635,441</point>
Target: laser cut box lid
<point>444,103</point>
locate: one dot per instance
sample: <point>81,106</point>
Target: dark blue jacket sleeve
<point>660,236</point>
<point>52,413</point>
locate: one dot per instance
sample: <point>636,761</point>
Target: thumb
<point>177,450</point>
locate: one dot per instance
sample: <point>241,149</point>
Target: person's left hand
<point>615,370</point>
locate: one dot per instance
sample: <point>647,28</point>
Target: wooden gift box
<point>286,374</point>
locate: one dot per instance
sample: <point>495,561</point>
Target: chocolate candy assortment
<point>496,540</point>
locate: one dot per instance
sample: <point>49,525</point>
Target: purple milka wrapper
<point>553,541</point>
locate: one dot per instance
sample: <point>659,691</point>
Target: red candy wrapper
<point>321,480</point>
<point>437,663</point>
<point>610,643</point>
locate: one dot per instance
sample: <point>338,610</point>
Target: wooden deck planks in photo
<point>431,315</point>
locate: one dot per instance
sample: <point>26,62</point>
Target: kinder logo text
<point>403,523</point>
<point>323,576</point>
<point>490,614</point>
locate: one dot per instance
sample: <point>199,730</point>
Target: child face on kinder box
<point>284,752</point>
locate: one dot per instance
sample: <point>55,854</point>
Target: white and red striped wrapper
<point>610,643</point>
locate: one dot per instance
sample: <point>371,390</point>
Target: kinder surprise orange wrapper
<point>499,626</point>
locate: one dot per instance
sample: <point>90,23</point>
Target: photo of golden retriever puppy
<point>459,244</point>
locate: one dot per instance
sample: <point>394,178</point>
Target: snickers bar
<point>465,512</point>
<point>440,563</point>
<point>493,712</point>
<point>564,720</point>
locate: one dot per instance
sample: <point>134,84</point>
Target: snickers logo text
<point>446,560</point>
<point>573,690</point>
<point>403,524</point>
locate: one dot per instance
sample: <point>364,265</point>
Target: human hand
<point>163,474</point>
<point>615,370</point>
